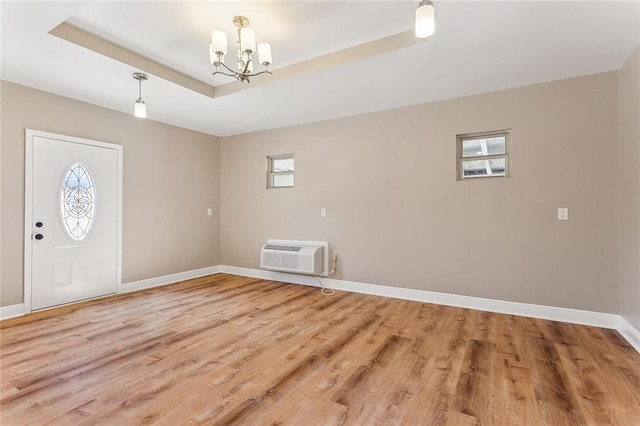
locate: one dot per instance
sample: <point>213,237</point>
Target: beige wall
<point>629,163</point>
<point>397,216</point>
<point>170,178</point>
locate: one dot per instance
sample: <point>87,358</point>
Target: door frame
<point>30,134</point>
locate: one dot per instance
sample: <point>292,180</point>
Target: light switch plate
<point>563,213</point>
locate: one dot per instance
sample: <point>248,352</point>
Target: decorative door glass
<point>77,202</point>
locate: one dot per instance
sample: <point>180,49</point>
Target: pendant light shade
<point>140,109</point>
<point>219,42</point>
<point>264,54</point>
<point>425,19</point>
<point>247,40</point>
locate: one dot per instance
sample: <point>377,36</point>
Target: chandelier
<point>246,47</point>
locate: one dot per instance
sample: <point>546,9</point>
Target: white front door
<point>73,219</point>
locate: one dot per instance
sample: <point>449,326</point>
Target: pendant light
<point>425,19</point>
<point>139,108</point>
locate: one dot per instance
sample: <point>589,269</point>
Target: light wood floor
<point>233,350</point>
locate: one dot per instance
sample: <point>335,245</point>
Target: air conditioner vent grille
<point>298,257</point>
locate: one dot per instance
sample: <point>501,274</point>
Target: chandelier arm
<point>237,75</point>
<point>259,73</point>
<point>227,68</point>
<point>225,73</point>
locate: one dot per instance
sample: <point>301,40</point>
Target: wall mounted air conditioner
<point>300,257</point>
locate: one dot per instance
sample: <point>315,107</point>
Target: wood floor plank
<point>400,388</point>
<point>514,391</point>
<point>586,385</point>
<point>306,408</point>
<point>227,350</point>
<point>557,403</point>
<point>368,381</point>
<point>475,391</point>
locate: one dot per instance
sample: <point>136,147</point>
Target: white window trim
<point>477,135</point>
<point>272,174</point>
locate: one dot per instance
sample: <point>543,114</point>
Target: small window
<point>280,170</point>
<point>482,155</point>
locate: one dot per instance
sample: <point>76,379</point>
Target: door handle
<point>39,236</point>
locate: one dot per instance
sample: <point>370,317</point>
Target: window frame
<point>271,174</point>
<point>460,160</point>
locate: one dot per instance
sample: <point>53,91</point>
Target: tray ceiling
<point>331,59</point>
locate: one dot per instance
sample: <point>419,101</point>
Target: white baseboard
<point>12,311</point>
<point>553,313</point>
<point>167,279</point>
<point>630,333</point>
<point>575,316</point>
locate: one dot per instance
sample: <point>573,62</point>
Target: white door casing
<point>61,268</point>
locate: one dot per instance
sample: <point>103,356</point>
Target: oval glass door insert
<point>77,201</point>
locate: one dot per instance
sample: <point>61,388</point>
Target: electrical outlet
<point>209,211</point>
<point>323,212</point>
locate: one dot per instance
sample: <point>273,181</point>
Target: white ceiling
<point>479,46</point>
